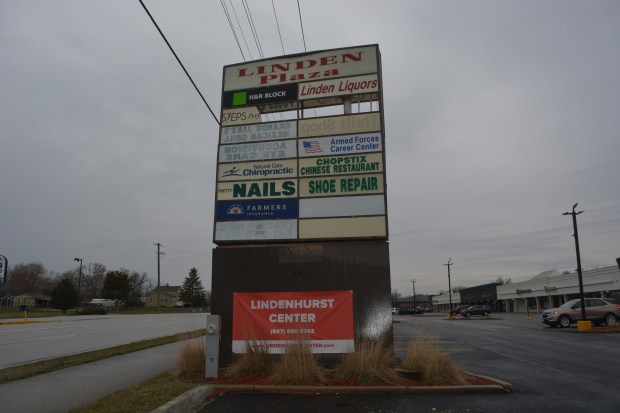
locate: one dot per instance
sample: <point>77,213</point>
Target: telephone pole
<point>576,235</point>
<point>413,282</point>
<point>159,254</point>
<point>449,285</point>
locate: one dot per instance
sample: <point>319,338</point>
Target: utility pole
<point>576,235</point>
<point>159,254</point>
<point>449,285</point>
<point>77,306</point>
<point>414,303</point>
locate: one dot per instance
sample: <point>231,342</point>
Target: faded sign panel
<point>337,165</point>
<point>278,107</point>
<point>244,171</point>
<point>302,67</point>
<point>358,227</point>
<point>337,87</point>
<point>240,116</point>
<point>340,125</point>
<point>256,209</point>
<point>257,151</point>
<point>283,188</point>
<point>278,229</point>
<point>342,206</point>
<point>341,185</point>
<point>358,98</point>
<point>260,132</point>
<point>333,145</point>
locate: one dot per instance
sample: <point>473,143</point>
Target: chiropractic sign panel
<point>334,164</point>
<point>275,320</point>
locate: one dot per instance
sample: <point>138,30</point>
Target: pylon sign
<point>3,269</point>
<point>288,174</point>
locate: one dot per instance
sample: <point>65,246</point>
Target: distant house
<point>168,297</point>
<point>32,300</point>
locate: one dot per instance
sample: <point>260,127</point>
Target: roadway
<point>61,336</point>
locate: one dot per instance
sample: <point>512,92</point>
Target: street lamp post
<point>449,284</point>
<point>574,214</point>
<point>77,307</point>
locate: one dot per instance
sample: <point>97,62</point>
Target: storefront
<point>551,289</point>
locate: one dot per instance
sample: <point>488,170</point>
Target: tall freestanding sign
<point>300,202</point>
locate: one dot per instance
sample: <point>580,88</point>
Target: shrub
<point>372,362</point>
<point>192,357</point>
<point>434,366</point>
<point>93,311</point>
<point>298,365</point>
<point>255,361</point>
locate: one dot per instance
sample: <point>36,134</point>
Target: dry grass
<point>298,366</point>
<point>434,366</point>
<point>255,361</point>
<point>372,363</point>
<point>191,357</point>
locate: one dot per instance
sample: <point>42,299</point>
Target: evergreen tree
<point>64,295</point>
<point>192,291</point>
<point>116,285</point>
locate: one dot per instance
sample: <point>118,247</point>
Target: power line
<point>241,29</point>
<point>302,26</point>
<point>278,25</point>
<point>248,14</point>
<point>230,23</point>
<point>179,60</point>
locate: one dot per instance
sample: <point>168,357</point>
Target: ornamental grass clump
<point>191,357</point>
<point>298,365</point>
<point>256,361</point>
<point>433,365</point>
<point>372,363</point>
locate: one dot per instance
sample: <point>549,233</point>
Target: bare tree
<point>25,278</point>
<point>501,280</point>
<point>93,276</point>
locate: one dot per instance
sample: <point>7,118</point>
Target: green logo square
<point>240,98</point>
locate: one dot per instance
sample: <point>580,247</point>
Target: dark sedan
<point>482,310</point>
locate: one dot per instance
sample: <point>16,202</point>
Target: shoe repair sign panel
<point>322,320</point>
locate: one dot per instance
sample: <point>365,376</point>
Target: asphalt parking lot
<point>551,370</point>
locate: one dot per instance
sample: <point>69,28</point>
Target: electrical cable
<point>241,30</point>
<point>278,25</point>
<point>230,23</point>
<point>179,60</point>
<point>302,26</point>
<point>248,14</point>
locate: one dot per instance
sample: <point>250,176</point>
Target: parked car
<point>598,311</point>
<point>395,311</point>
<point>458,309</point>
<point>411,310</point>
<point>483,310</point>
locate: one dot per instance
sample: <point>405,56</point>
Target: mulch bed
<point>224,384</point>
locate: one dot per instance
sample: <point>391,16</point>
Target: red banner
<point>323,319</point>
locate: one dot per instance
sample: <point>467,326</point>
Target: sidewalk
<point>76,386</point>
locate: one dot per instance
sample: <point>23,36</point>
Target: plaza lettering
<point>285,71</point>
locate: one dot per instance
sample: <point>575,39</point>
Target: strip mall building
<point>546,290</point>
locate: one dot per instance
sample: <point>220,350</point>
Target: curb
<point>194,399</point>
<point>490,388</point>
<point>190,401</point>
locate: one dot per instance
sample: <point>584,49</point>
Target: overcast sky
<point>499,116</point>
